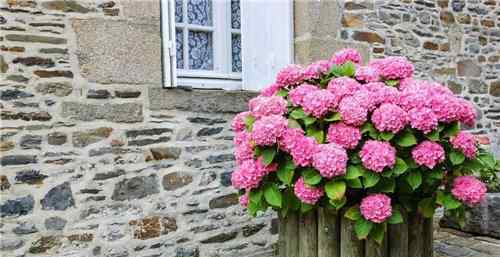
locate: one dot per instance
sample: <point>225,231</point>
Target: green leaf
<point>396,217</point>
<point>426,207</point>
<point>298,114</point>
<point>282,93</point>
<point>318,134</point>
<point>386,185</point>
<point>400,167</point>
<point>386,136</point>
<point>335,189</point>
<point>338,204</point>
<point>406,139</point>
<point>354,158</point>
<point>362,228</point>
<point>336,116</point>
<point>414,179</point>
<point>354,171</point>
<point>354,183</point>
<point>255,195</point>
<point>272,195</point>
<point>286,171</point>
<point>353,213</point>
<point>447,201</point>
<point>335,70</point>
<point>487,159</point>
<point>378,232</point>
<point>370,129</point>
<point>392,82</point>
<point>293,123</point>
<point>304,207</point>
<point>311,176</point>
<point>451,130</point>
<point>433,135</point>
<point>268,154</point>
<point>436,174</point>
<point>249,120</point>
<point>348,69</point>
<point>370,179</point>
<point>456,157</point>
<point>309,120</point>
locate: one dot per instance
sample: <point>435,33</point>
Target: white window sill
<point>209,83</point>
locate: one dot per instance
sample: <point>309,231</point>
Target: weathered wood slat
<point>289,236</point>
<point>415,235</point>
<point>373,249</point>
<point>350,246</point>
<point>328,233</point>
<point>397,236</point>
<point>308,235</point>
<point>427,234</point>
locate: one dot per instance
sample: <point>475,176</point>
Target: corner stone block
<point>112,51</point>
<point>122,113</point>
<point>313,49</point>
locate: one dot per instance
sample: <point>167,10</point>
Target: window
<point>204,42</point>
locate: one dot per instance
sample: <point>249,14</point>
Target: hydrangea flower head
<point>467,114</point>
<point>376,208</point>
<point>344,135</point>
<point>267,130</point>
<point>238,123</point>
<point>318,103</point>
<point>316,69</point>
<point>393,67</point>
<point>423,119</point>
<point>330,160</point>
<point>428,154</point>
<point>365,98</point>
<point>297,94</point>
<point>271,90</point>
<point>307,194</point>
<point>377,155</point>
<point>303,151</point>
<point>264,106</point>
<point>343,86</point>
<point>345,55</point>
<point>243,147</point>
<point>290,138</point>
<point>290,75</point>
<point>250,173</point>
<point>353,113</point>
<point>466,143</point>
<point>367,74</point>
<point>244,200</point>
<point>469,190</point>
<point>445,107</point>
<point>389,117</point>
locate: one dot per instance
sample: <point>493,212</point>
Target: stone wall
<point>96,158</point>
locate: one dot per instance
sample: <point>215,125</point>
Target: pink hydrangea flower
<point>239,121</point>
<point>376,208</point>
<point>243,147</point>
<point>428,154</point>
<point>352,112</point>
<point>393,67</point>
<point>330,160</point>
<point>297,94</point>
<point>469,190</point>
<point>467,114</point>
<point>389,117</point>
<point>290,138</point>
<point>385,94</point>
<point>290,75</point>
<point>267,130</point>
<point>244,199</point>
<point>410,99</point>
<point>303,151</point>
<point>445,107</point>
<point>316,70</point>
<point>367,74</point>
<point>344,135</point>
<point>377,155</point>
<point>466,143</point>
<point>264,106</point>
<point>306,193</point>
<point>250,173</point>
<point>318,103</point>
<point>365,99</point>
<point>345,55</point>
<point>423,119</point>
<point>271,90</point>
<point>342,87</point>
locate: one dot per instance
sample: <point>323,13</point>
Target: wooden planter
<point>322,233</point>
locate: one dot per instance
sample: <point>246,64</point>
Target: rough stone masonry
<point>97,159</point>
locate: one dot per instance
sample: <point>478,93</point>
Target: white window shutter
<point>266,39</point>
<point>168,43</point>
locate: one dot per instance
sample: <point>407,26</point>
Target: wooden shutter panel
<point>168,42</point>
<point>266,40</point>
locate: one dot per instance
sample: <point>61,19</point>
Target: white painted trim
<point>168,43</point>
<point>210,83</point>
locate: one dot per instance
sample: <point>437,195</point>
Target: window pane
<point>236,52</point>
<point>179,48</point>
<point>235,14</point>
<point>200,50</point>
<point>199,12</point>
<point>178,10</point>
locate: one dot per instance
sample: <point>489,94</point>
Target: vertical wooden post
<point>428,236</point>
<point>328,233</point>
<point>373,249</point>
<point>415,235</point>
<point>398,238</point>
<point>350,246</point>
<point>308,235</point>
<point>289,235</point>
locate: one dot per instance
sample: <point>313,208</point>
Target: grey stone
<point>127,94</point>
<point>85,138</point>
<point>27,116</point>
<point>35,39</point>
<point>54,73</point>
<point>8,160</point>
<point>187,252</point>
<point>53,51</point>
<point>206,121</point>
<point>30,177</point>
<point>10,244</point>
<point>166,153</point>
<point>108,175</point>
<point>98,94</point>
<point>4,66</point>
<point>312,49</point>
<point>57,138</point>
<point>207,177</point>
<point>220,158</point>
<point>66,6</point>
<point>17,207</point>
<point>25,228</point>
<point>55,223</point>
<point>34,61</point>
<point>209,131</point>
<point>135,188</point>
<point>140,9</point>
<point>58,198</point>
<point>220,238</point>
<point>468,68</point>
<point>125,112</point>
<point>211,101</point>
<point>252,229</point>
<point>11,94</point>
<point>176,180</point>
<point>103,42</point>
<point>225,179</point>
<point>148,141</point>
<point>224,201</point>
<point>147,132</point>
<point>477,87</point>
<point>31,142</point>
<point>55,88</point>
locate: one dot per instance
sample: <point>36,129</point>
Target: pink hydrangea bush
<point>369,139</point>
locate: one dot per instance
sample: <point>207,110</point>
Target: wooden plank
<point>328,233</point>
<point>415,235</point>
<point>398,238</point>
<point>428,236</point>
<point>373,249</point>
<point>308,235</point>
<point>350,246</point>
<point>288,245</point>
